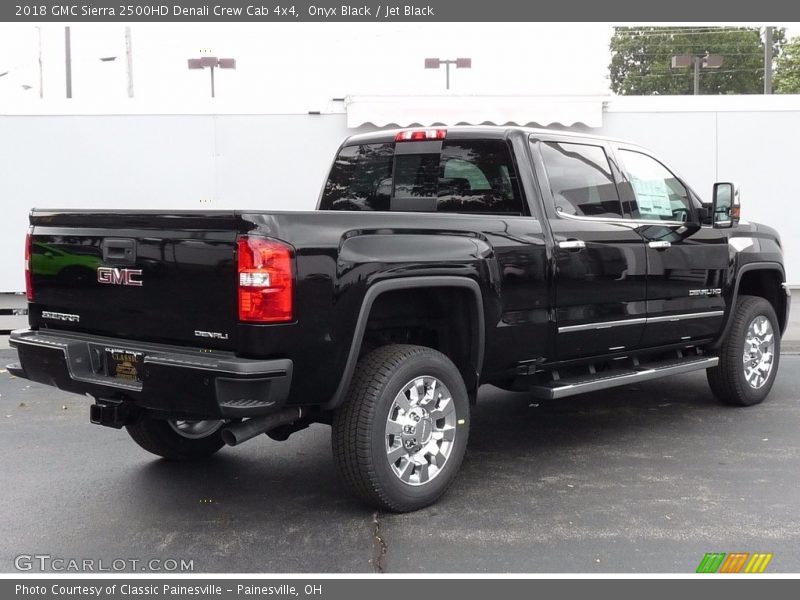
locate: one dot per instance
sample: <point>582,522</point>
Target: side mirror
<point>725,206</point>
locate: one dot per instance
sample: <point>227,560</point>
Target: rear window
<point>360,179</point>
<point>461,177</point>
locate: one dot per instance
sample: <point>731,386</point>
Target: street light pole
<point>460,63</point>
<point>706,61</point>
<point>212,62</point>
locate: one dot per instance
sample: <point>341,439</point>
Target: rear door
<point>687,262</point>
<point>601,263</point>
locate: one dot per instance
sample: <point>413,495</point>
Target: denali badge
<point>115,276</point>
<point>211,334</point>
<point>706,292</point>
<point>57,316</point>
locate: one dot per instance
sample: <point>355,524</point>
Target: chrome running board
<point>562,388</point>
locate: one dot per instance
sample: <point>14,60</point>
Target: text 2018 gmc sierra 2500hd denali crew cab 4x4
<point>438,260</point>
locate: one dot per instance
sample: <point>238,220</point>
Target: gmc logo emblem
<point>115,276</point>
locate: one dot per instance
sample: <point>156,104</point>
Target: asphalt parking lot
<point>641,479</point>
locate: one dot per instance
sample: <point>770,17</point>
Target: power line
<point>688,74</point>
<point>657,29</point>
<point>636,34</point>
<point>672,52</point>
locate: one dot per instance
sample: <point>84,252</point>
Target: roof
<point>473,131</point>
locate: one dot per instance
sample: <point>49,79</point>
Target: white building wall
<point>264,162</point>
<point>279,162</point>
<point>760,151</point>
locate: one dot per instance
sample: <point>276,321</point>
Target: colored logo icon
<point>734,562</point>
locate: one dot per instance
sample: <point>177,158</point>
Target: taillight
<point>420,135</point>
<point>265,280</point>
<point>28,280</point>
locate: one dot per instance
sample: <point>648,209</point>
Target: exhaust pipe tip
<point>235,434</point>
<point>229,437</point>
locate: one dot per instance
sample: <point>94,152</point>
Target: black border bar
<point>289,11</point>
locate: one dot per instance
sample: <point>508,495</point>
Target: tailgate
<point>153,276</point>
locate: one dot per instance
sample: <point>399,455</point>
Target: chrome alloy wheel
<point>420,430</point>
<point>195,430</point>
<point>759,351</point>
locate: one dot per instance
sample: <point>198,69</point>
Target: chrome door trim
<point>622,220</point>
<point>640,321</point>
<point>601,325</point>
<point>685,316</point>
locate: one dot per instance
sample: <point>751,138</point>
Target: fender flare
<point>406,283</point>
<point>753,266</point>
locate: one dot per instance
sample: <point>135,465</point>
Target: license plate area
<point>126,365</point>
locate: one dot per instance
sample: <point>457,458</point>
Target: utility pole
<point>129,60</point>
<point>68,60</point>
<point>41,75</point>
<point>768,60</point>
<point>697,60</point>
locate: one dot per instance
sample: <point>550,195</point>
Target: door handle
<point>659,245</point>
<point>572,245</point>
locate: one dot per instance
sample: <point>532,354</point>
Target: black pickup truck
<point>437,260</point>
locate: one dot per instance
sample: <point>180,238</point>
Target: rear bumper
<point>175,380</point>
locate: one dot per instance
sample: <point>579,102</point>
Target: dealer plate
<point>124,364</point>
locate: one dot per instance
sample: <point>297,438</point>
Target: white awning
<point>404,111</point>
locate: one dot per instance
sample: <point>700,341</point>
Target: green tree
<point>641,59</point>
<point>787,69</point>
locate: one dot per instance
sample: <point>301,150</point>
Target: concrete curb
<point>790,347</point>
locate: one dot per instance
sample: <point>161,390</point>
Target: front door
<point>600,259</point>
<point>687,262</point>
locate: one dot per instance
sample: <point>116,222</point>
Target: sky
<point>296,67</point>
<point>299,67</point>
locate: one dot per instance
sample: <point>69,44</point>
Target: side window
<point>581,180</point>
<point>478,177</point>
<point>659,195</point>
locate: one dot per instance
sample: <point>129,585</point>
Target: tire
<point>427,437</point>
<point>729,381</point>
<point>164,438</point>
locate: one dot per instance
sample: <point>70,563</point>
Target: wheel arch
<point>377,290</point>
<point>764,279</point>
